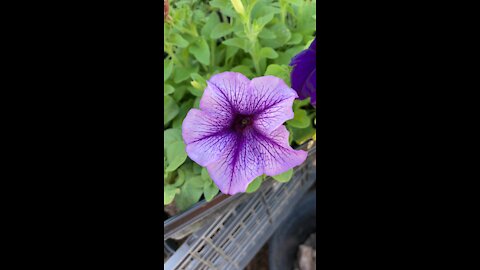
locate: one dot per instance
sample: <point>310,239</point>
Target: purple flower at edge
<point>304,73</point>
<point>238,133</point>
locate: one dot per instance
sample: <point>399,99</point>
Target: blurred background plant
<point>203,38</point>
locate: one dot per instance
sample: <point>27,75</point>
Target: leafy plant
<point>203,38</point>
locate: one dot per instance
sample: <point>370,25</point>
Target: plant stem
<point>283,10</point>
<point>213,45</point>
<point>255,64</point>
<point>252,38</point>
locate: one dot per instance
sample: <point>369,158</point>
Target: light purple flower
<point>238,134</point>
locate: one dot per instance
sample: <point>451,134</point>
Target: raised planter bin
<point>228,231</point>
<point>294,231</point>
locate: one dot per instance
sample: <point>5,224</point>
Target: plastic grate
<point>232,239</point>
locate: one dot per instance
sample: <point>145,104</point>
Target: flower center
<point>241,122</point>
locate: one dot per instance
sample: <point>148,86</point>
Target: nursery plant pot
<point>238,225</point>
<point>294,231</point>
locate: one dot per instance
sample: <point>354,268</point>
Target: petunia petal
<point>205,136</point>
<point>303,64</point>
<point>226,93</point>
<point>236,168</point>
<point>313,46</point>
<point>252,155</point>
<point>310,87</point>
<point>277,154</point>
<point>300,73</point>
<point>271,102</point>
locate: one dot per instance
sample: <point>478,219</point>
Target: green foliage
<point>200,51</point>
<point>220,30</point>
<point>170,108</point>
<point>209,187</point>
<point>301,126</point>
<point>280,71</point>
<point>204,38</point>
<point>255,184</point>
<point>284,177</point>
<point>169,192</point>
<point>300,120</point>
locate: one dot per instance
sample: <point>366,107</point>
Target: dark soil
<point>260,261</point>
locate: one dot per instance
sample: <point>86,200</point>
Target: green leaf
<point>179,92</point>
<point>295,39</point>
<point>284,58</point>
<point>196,181</point>
<point>267,34</point>
<point>168,194</point>
<point>201,51</point>
<point>300,119</point>
<point>199,84</point>
<point>168,89</point>
<point>180,179</point>
<point>244,70</point>
<point>170,136</point>
<point>231,51</point>
<point>264,8</point>
<point>185,171</point>
<point>301,135</point>
<point>212,21</point>
<point>198,16</point>
<point>247,62</point>
<point>205,174</point>
<point>190,194</point>
<point>170,109</point>
<point>181,74</point>
<point>282,34</point>
<point>284,177</point>
<point>220,30</point>
<point>239,30</point>
<point>262,21</point>
<point>176,155</point>
<point>168,68</point>
<point>224,6</point>
<point>177,40</point>
<point>290,135</point>
<point>255,184</point>
<point>295,50</point>
<point>196,77</point>
<point>196,103</point>
<point>268,52</point>
<point>197,169</point>
<point>165,174</point>
<point>300,103</point>
<point>196,89</point>
<point>220,4</point>
<point>209,190</point>
<point>237,42</point>
<point>282,72</point>
<point>184,108</point>
<point>295,2</point>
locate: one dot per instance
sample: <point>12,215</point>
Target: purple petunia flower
<point>304,73</point>
<point>238,134</point>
